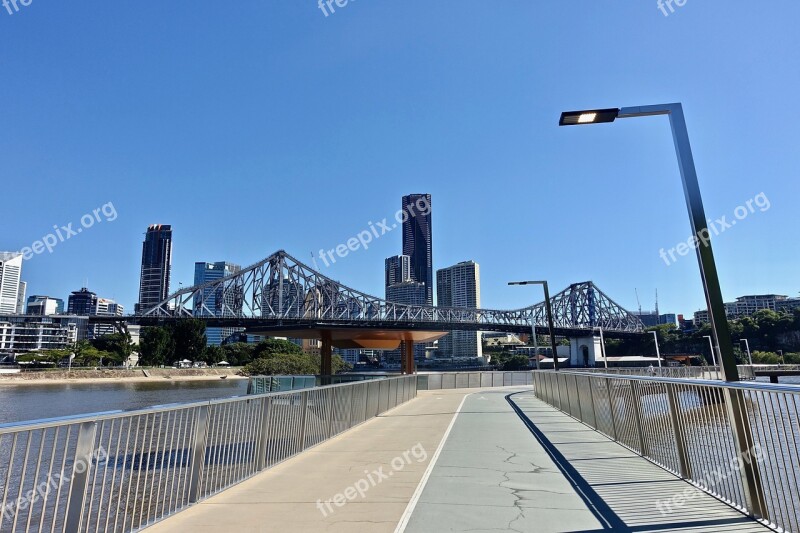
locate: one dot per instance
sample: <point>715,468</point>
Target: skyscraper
<point>460,286</point>
<point>23,289</point>
<point>10,272</point>
<point>82,303</point>
<point>398,270</point>
<point>417,243</point>
<point>212,302</point>
<point>156,264</point>
<point>44,306</point>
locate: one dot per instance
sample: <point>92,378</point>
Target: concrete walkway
<point>508,462</point>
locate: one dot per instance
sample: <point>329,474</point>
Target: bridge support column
<point>407,358</point>
<point>326,358</point>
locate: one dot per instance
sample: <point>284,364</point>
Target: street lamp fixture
<point>697,216</point>
<point>658,352</point>
<point>549,310</point>
<point>747,345</point>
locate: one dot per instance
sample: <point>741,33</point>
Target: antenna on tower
<point>657,314</point>
<point>638,302</point>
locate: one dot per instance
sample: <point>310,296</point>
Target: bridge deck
<point>505,462</point>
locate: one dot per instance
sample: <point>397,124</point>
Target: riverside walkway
<point>479,460</point>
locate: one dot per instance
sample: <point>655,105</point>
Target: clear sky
<point>262,125</point>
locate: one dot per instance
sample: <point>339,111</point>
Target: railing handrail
<point>745,385</point>
<point>100,416</point>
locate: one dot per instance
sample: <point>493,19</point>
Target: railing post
<point>261,459</point>
<point>198,452</point>
<point>332,411</point>
<point>677,428</point>
<point>638,415</point>
<point>303,418</point>
<point>80,479</point>
<point>743,440</point>
<point>591,400</point>
<point>611,408</point>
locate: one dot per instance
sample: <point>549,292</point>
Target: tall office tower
<point>82,302</point>
<point>398,270</point>
<point>460,286</point>
<point>212,302</point>
<point>10,272</point>
<point>23,288</point>
<point>45,305</point>
<point>417,242</point>
<point>156,264</point>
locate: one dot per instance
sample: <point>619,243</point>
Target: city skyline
<point>513,191</point>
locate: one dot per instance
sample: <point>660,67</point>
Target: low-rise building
<point>27,333</point>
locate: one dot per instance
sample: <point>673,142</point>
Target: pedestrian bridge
<point>480,451</point>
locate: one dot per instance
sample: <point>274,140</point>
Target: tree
<point>281,364</point>
<point>517,362</point>
<point>118,345</point>
<point>156,346</point>
<point>213,355</point>
<point>189,337</point>
<point>275,346</point>
<point>238,354</point>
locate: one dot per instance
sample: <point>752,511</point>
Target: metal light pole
<point>658,353</point>
<point>783,359</point>
<point>747,345</point>
<point>711,345</point>
<point>603,347</point>
<point>734,401</point>
<point>697,215</point>
<point>535,344</point>
<point>549,310</point>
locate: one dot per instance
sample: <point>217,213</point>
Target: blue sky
<point>264,125</point>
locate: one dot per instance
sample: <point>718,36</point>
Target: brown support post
<point>408,349</point>
<point>326,367</point>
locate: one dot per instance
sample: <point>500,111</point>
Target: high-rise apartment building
<point>212,301</point>
<point>460,286</point>
<point>417,240</point>
<point>23,289</point>
<point>156,264</point>
<point>10,272</point>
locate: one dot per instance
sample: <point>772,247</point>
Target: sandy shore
<point>119,376</point>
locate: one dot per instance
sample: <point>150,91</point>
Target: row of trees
<point>109,350</point>
<point>768,333</point>
<point>186,339</point>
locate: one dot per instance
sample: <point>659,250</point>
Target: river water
<point>32,402</point>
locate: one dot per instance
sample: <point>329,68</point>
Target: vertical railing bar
<point>186,450</point>
<point>80,480</point>
<point>772,509</point>
<point>29,435</point>
<point>216,418</point>
<point>201,423</point>
<point>46,496</point>
<point>122,474</point>
<point>96,469</point>
<point>677,431</point>
<point>36,478</point>
<point>169,484</point>
<point>107,457</point>
<point>165,429</point>
<point>143,485</point>
<point>787,470</point>
<point>61,476</point>
<point>151,458</point>
<point>228,450</point>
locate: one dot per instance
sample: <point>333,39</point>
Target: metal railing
<point>465,380</point>
<point>121,471</point>
<point>680,372</point>
<point>738,441</point>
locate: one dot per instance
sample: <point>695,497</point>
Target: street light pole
<point>549,310</point>
<point>535,344</point>
<point>658,353</point>
<point>747,345</point>
<point>711,346</point>
<point>697,215</point>
<point>603,347</point>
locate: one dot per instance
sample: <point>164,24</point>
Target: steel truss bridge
<point>280,292</point>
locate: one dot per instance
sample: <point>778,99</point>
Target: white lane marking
<point>401,526</point>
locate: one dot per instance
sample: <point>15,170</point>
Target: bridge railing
<point>120,471</point>
<point>682,372</point>
<point>465,380</point>
<point>688,426</point>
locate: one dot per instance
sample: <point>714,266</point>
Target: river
<point>32,402</point>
